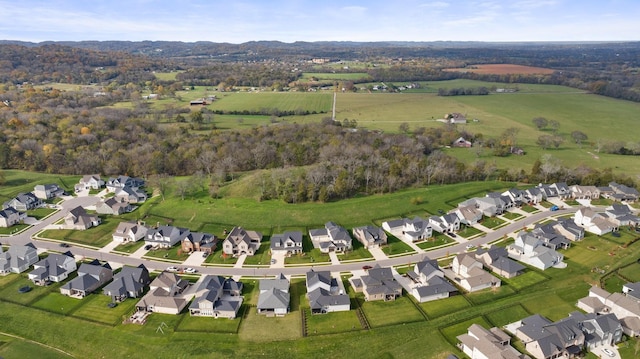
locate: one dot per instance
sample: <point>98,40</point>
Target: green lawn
<point>358,252</point>
<point>452,331</point>
<point>13,229</point>
<point>9,289</point>
<point>614,283</point>
<point>507,315</point>
<point>631,272</point>
<point>332,323</point>
<point>445,306</point>
<point>378,312</point>
<point>527,279</point>
<point>436,241</point>
<point>130,247</point>
<point>492,222</point>
<point>284,101</point>
<point>513,216</point>
<point>97,237</point>
<point>211,325</point>
<point>58,303</point>
<point>552,307</point>
<point>309,254</point>
<point>263,255</point>
<point>490,294</point>
<point>172,254</point>
<point>94,308</point>
<point>395,246</point>
<point>468,232</point>
<point>18,348</point>
<point>17,181</point>
<point>526,208</point>
<point>40,213</point>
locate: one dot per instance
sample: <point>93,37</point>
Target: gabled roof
<point>320,298</point>
<point>273,298</point>
<point>280,283</point>
<point>278,241</point>
<point>318,277</point>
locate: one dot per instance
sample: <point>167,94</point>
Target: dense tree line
<point>462,91</point>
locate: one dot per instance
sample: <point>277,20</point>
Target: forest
<point>79,132</point>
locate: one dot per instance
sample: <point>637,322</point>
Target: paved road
<point>84,201</point>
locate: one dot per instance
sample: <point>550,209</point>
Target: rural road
<point>26,237</point>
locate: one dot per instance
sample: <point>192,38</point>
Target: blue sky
<point>237,21</point>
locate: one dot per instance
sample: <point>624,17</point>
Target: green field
<point>322,76</point>
<point>284,101</point>
<point>404,311</point>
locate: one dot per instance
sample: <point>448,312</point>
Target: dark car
<point>366,267</point>
<point>147,247</point>
<point>64,245</point>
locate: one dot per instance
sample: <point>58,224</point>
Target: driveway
<point>598,351</point>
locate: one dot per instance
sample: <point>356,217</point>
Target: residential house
<point>461,142</point>
<point>550,234</point>
<point>516,196</point>
<point>115,183</point>
<point>47,191</point>
<point>534,195</point>
<point>165,236</point>
<point>214,298</point>
<point>584,192</point>
<point>546,340</point>
<point>622,215</point>
<point>626,307</point>
<point>569,229</point>
<point>91,276</point>
<point>447,223</point>
<point>480,343</point>
<point>468,215</point>
<point>274,298</point>
<point>324,293</point>
<point>412,230</point>
<point>130,282</point>
<point>23,202</point>
<point>199,242</point>
<point>548,191</point>
<point>467,272</point>
<point>370,236</point>
<point>288,243</point>
<point>497,260</point>
<point>331,238</point>
<point>130,194</point>
<point>632,289</point>
<point>79,219</point>
<point>89,182</point>
<point>10,216</point>
<point>54,268</point>
<point>113,207</point>
<point>490,206</point>
<point>378,284</point>
<point>599,330</point>
<point>164,295</point>
<point>428,282</point>
<point>127,232</point>
<point>455,118</point>
<point>241,241</point>
<point>594,222</point>
<point>623,192</point>
<point>507,201</point>
<point>531,251</point>
<point>562,189</point>
<point>18,258</point>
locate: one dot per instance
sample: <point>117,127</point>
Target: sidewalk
<point>378,254</point>
<point>334,258</point>
<point>240,261</point>
<point>109,247</point>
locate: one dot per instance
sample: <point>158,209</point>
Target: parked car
<point>470,246</point>
<point>172,269</point>
<point>205,254</point>
<point>609,352</point>
<point>273,261</point>
<point>148,246</point>
<point>554,208</point>
<point>64,245</point>
<point>190,270</point>
<point>366,267</point>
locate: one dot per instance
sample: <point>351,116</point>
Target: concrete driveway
<point>598,351</point>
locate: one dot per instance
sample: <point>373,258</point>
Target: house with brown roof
<point>127,232</point>
<point>467,272</point>
<point>164,295</point>
<point>199,242</point>
<point>79,219</point>
<point>241,241</point>
<point>113,206</point>
<point>370,236</point>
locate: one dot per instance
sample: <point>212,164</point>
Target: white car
<point>172,269</point>
<point>470,246</point>
<point>190,270</point>
<point>609,352</point>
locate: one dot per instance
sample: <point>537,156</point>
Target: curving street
<point>27,236</point>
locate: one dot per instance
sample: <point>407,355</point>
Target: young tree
<point>578,137</point>
<point>555,125</point>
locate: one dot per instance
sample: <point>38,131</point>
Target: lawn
<point>490,294</point>
<point>58,303</point>
<point>18,348</point>
<point>631,272</point>
<point>17,181</point>
<point>96,237</point>
<point>283,101</point>
<point>40,213</point>
<point>452,331</point>
<point>513,215</point>
<point>332,323</point>
<point>260,328</point>
<point>614,283</point>
<point>527,279</point>
<point>309,254</point>
<point>440,307</point>
<point>263,255</point>
<point>129,247</point>
<point>551,306</point>
<point>492,222</point>
<point>526,208</point>
<point>217,258</point>
<point>594,251</point>
<point>211,325</point>
<point>335,76</point>
<point>13,229</point>
<point>94,308</point>
<point>468,232</point>
<point>507,315</point>
<point>378,312</point>
<point>395,247</point>
<point>174,253</point>
<point>9,289</point>
<point>436,241</point>
<point>358,252</point>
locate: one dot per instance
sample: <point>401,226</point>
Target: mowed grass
<point>11,347</point>
<point>17,181</point>
<point>507,315</point>
<point>284,101</point>
<point>332,323</point>
<point>631,272</point>
<point>97,237</point>
<point>440,307</point>
<point>9,289</point>
<point>396,247</point>
<point>94,308</point>
<point>490,294</point>
<point>552,306</point>
<point>379,313</point>
<point>58,303</point>
<point>452,331</point>
<point>208,325</point>
<point>527,279</point>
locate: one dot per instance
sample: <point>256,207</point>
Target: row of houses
<point>614,217</point>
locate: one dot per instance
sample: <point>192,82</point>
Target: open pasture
<point>283,101</point>
<point>503,69</point>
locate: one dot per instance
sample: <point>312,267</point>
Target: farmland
<point>501,69</point>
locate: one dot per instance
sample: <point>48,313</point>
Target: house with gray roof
<point>130,195</point>
<point>632,289</point>
<point>113,206</point>
<point>479,342</point>
<point>550,233</point>
<point>411,230</point>
<point>91,276</point>
<point>378,284</point>
<point>626,307</point>
<point>468,215</point>
<point>128,232</point>
<point>533,195</point>
<point>497,260</point>
<point>164,295</point>
<point>623,192</point>
<point>569,229</point>
<point>563,190</point>
<point>324,293</point>
<point>548,191</point>
<point>289,243</point>
<point>599,330</point>
<point>274,298</point>
<point>622,215</point>
<point>18,258</point>
<point>23,202</point>
<point>47,191</point>
<point>115,183</point>
<point>531,251</point>
<point>241,241</point>
<point>467,272</point>
<point>199,242</point>
<point>130,282</point>
<point>331,238</point>
<point>546,340</point>
<point>78,218</point>
<point>447,223</point>
<point>594,222</point>
<point>428,281</point>
<point>215,299</point>
<point>10,216</point>
<point>54,268</point>
<point>165,236</point>
<point>370,236</point>
<point>89,182</point>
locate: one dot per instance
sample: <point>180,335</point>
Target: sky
<point>238,21</point>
